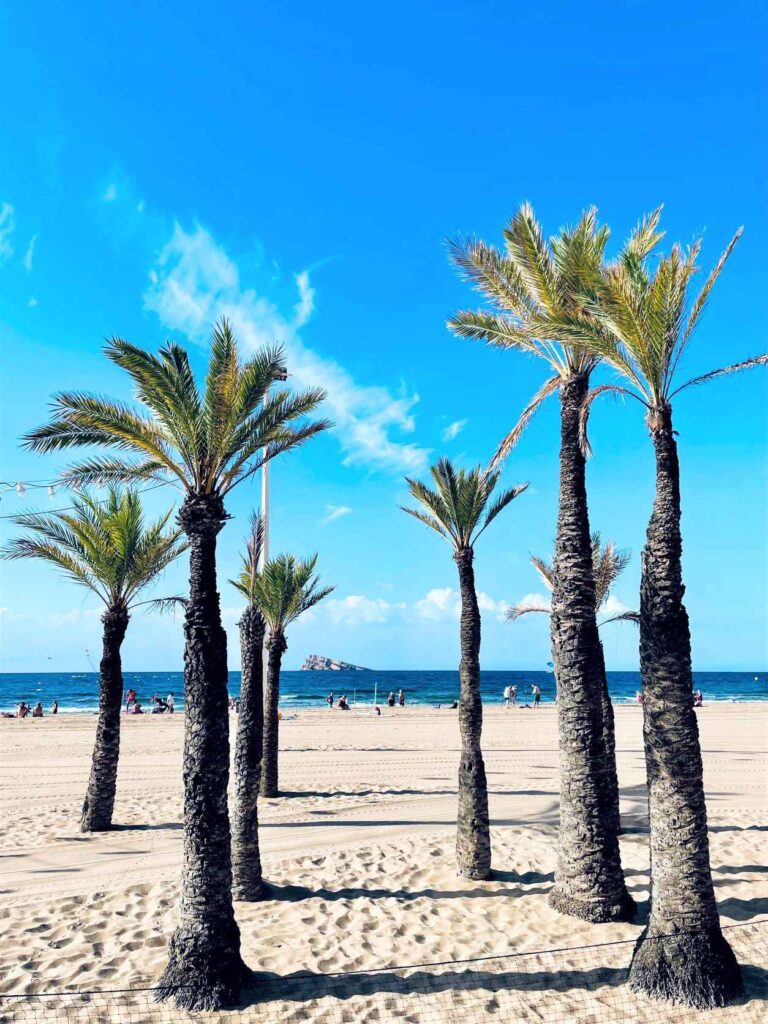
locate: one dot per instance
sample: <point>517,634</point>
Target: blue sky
<point>167,163</point>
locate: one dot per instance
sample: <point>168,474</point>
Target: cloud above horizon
<point>453,430</point>
<point>195,281</point>
<point>335,512</point>
<point>7,225</point>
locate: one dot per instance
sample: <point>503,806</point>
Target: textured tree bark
<point>682,955</point>
<point>473,843</point>
<point>102,785</point>
<point>276,646</point>
<point>246,861</point>
<point>589,883</point>
<point>609,747</point>
<point>205,970</point>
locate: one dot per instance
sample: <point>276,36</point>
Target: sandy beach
<point>360,852</point>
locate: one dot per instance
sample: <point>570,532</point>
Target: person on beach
<point>639,697</point>
<point>22,710</point>
<point>698,699</point>
<point>55,708</point>
<point>391,700</point>
<point>136,708</point>
<point>513,695</point>
<point>536,691</point>
<point>401,698</point>
<point>130,699</point>
<point>169,703</point>
<point>343,704</point>
<point>507,696</point>
<point>329,701</point>
<point>38,711</point>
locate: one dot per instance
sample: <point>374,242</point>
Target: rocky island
<point>317,663</point>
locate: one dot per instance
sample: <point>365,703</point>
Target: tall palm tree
<point>106,547</point>
<point>534,280</point>
<point>607,565</point>
<point>641,323</point>
<point>246,861</point>
<point>205,443</point>
<point>460,510</point>
<point>285,588</point>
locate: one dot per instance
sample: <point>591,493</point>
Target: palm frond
<point>207,444</point>
<point>724,371</point>
<point>547,388</point>
<point>622,617</point>
<point>458,508</point>
<point>102,545</point>
<point>285,588</point>
<point>513,614</point>
<point>546,571</point>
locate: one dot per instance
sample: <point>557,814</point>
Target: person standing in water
<point>507,696</point>
<point>536,691</point>
<point>329,700</point>
<point>401,698</point>
<point>55,708</point>
<point>391,699</point>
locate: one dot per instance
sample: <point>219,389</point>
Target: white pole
<point>375,693</point>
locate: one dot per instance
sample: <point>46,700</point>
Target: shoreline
<point>366,710</point>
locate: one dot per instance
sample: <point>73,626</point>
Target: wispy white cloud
<point>195,281</point>
<point>7,225</point>
<point>30,254</point>
<point>453,430</point>
<point>335,512</point>
<point>110,193</point>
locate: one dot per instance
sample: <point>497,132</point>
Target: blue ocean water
<point>78,691</point>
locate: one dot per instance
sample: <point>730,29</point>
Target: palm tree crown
<point>532,286</point>
<point>458,509</point>
<point>104,546</point>
<point>608,563</point>
<point>205,443</point>
<point>245,583</point>
<point>285,588</point>
<point>641,322</point>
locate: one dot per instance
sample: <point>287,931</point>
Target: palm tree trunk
<point>205,970</point>
<point>682,954</point>
<point>100,796</point>
<point>589,883</point>
<point>246,862</point>
<point>276,646</point>
<point>473,843</point>
<point>609,746</point>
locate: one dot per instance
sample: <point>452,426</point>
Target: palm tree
<point>641,323</point>
<point>459,510</point>
<point>246,861</point>
<point>106,547</point>
<point>285,588</point>
<point>607,566</point>
<point>535,280</point>
<point>205,443</point>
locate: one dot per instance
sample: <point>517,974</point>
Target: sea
<point>78,692</point>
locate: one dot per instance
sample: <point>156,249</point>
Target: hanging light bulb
<point>20,488</point>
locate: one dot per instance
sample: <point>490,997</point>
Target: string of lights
<point>22,486</point>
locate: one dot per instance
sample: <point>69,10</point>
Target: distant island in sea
<point>318,663</point>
